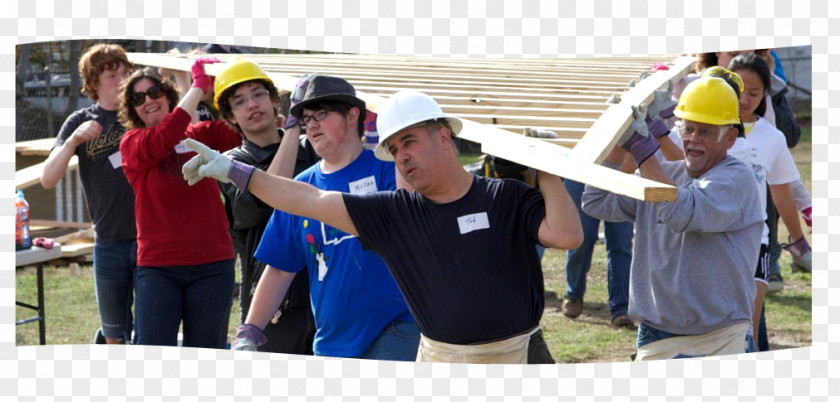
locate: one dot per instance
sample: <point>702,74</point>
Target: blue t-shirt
<point>353,294</point>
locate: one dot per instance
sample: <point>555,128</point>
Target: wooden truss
<point>586,101</point>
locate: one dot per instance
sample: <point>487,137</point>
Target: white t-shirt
<point>773,151</point>
<point>745,152</point>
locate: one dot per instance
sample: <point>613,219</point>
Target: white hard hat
<point>404,109</point>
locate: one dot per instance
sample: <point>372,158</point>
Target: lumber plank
<point>60,224</point>
<point>29,176</point>
<point>82,236</point>
<point>555,160</point>
<point>76,250</point>
<point>41,146</point>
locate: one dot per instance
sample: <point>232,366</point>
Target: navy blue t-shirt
<point>468,269</point>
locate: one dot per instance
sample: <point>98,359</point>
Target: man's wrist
<point>240,174</point>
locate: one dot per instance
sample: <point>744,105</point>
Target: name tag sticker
<point>363,186</point>
<point>181,148</point>
<point>116,159</point>
<point>469,223</point>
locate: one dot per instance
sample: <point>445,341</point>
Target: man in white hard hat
<point>460,247</point>
<point>691,279</point>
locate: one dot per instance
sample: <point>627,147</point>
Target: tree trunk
<point>75,79</point>
<point>22,69</point>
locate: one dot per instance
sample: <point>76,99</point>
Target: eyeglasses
<point>241,101</point>
<point>139,98</point>
<point>720,72</point>
<point>704,133</point>
<point>317,116</point>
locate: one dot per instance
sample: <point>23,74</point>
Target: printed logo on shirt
<point>315,249</point>
<point>473,222</point>
<point>105,143</point>
<point>363,186</point>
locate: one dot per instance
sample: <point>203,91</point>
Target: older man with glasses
<point>691,280</point>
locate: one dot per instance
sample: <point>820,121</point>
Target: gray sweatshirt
<point>693,259</point>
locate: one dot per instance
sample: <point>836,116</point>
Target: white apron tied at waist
<point>513,350</point>
<point>725,341</point>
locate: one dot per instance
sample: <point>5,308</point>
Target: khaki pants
<point>513,350</point>
<point>725,341</point>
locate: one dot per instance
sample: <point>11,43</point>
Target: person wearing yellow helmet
<point>691,279</point>
<point>249,102</point>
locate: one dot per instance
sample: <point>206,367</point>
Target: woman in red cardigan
<point>185,256</point>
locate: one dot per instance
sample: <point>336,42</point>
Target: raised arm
<point>561,226</point>
<point>287,195</point>
<point>56,164</point>
<point>298,198</point>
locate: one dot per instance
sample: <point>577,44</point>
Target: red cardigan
<point>177,224</point>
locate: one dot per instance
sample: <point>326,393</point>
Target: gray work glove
<point>539,133</point>
<point>636,139</point>
<point>248,338</point>
<point>662,100</point>
<point>800,250</point>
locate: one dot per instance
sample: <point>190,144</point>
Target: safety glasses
<point>703,133</point>
<point>139,98</point>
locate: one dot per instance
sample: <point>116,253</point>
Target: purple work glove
<point>667,112</point>
<point>656,127</point>
<point>249,338</point>
<point>636,139</point>
<point>800,251</point>
<point>297,96</point>
<point>200,78</point>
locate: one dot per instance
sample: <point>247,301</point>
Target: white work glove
<point>208,163</point>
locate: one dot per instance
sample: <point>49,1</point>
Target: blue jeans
<point>200,295</point>
<point>113,277</point>
<point>649,334</point>
<point>619,242</point>
<point>398,341</point>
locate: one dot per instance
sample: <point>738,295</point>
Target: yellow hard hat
<point>237,70</point>
<point>708,100</point>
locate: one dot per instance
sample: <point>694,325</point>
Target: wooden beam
<point>29,176</point>
<point>60,224</point>
<point>555,160</point>
<point>35,147</point>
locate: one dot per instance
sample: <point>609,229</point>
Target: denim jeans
<point>398,341</point>
<point>648,335</point>
<point>619,242</point>
<point>113,277</point>
<point>200,295</point>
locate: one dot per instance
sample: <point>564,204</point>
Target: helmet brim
<point>381,150</point>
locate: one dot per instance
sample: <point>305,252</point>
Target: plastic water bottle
<point>23,240</point>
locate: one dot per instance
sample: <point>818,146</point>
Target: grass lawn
<point>72,316</point>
